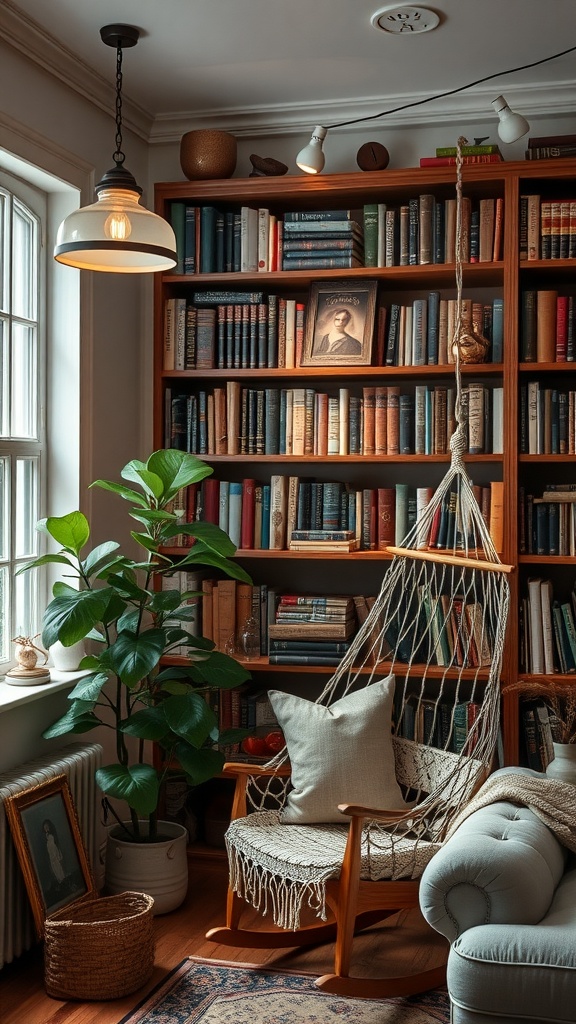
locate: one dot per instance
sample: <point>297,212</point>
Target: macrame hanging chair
<point>438,625</point>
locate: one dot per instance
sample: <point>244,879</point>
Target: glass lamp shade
<point>117,235</point>
<point>311,158</point>
<point>511,126</point>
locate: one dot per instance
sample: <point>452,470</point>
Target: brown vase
<point>208,153</point>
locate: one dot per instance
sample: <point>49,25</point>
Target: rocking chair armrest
<point>357,811</point>
<point>242,768</point>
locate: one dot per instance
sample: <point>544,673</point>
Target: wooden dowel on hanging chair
<point>445,559</point>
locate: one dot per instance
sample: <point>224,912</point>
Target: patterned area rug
<point>213,992</point>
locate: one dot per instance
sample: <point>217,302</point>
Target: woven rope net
<point>438,623</point>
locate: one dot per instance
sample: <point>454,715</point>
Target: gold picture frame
<point>340,323</point>
<point>49,846</point>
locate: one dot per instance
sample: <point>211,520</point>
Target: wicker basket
<point>100,949</point>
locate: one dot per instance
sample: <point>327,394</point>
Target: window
<point>22,431</point>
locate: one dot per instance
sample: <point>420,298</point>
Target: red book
<point>449,161</point>
<point>561,328</point>
<point>247,521</point>
<point>386,517</point>
<point>211,500</point>
<point>435,527</point>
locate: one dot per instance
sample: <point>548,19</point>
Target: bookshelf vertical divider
<point>505,277</point>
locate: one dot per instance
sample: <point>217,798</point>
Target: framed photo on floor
<point>49,846</point>
<point>340,323</point>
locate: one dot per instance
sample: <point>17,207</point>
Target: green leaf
<point>146,724</point>
<point>189,717</point>
<point>124,492</point>
<point>99,557</point>
<point>46,560</point>
<point>144,540</point>
<point>125,585</point>
<point>210,535</point>
<point>70,531</point>
<point>133,656</point>
<point>233,736</point>
<point>177,469</point>
<point>204,556</point>
<point>199,765</point>
<point>89,688</point>
<point>136,784</point>
<point>79,718</point>
<point>219,671</point>
<point>140,474</point>
<point>70,616</point>
<point>165,600</point>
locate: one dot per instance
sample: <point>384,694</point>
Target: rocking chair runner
<point>382,746</point>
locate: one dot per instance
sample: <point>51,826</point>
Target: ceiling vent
<point>399,20</point>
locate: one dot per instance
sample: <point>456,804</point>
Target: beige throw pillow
<point>339,754</point>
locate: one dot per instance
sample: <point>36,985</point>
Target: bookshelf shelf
<point>504,279</point>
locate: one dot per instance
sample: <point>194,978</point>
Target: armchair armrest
<point>501,866</point>
<point>377,814</point>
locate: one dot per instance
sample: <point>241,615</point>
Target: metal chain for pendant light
<point>118,155</point>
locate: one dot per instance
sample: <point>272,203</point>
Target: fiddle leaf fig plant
<point>135,618</point>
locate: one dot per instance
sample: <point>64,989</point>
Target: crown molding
<point>29,38</point>
<point>554,98</point>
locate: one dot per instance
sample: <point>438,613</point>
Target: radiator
<point>78,762</point>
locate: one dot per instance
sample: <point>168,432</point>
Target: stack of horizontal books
<point>551,146</point>
<point>322,240</point>
<point>446,156</point>
<point>311,629</point>
<point>324,540</point>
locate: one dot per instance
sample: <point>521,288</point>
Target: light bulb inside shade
<point>511,126</point>
<point>117,235</point>
<point>117,227</point>
<point>311,158</point>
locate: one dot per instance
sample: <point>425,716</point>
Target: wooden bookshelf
<point>506,277</point>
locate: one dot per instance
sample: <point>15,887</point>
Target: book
<point>312,630</point>
<point>450,161</point>
<point>465,150</point>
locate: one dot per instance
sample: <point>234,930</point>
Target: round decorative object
<point>473,346</point>
<point>208,153</point>
<point>159,869</point>
<point>563,767</point>
<point>266,166</point>
<point>372,156</point>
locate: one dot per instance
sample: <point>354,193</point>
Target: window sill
<point>15,696</point>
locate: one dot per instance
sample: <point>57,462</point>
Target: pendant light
<point>115,234</point>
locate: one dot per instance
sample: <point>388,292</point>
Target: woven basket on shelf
<point>100,949</point>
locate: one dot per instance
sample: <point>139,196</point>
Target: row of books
<point>232,330</point>
<point>374,421</point>
<point>550,146</point>
<point>547,228</point>
<point>547,630</point>
<point>421,333</point>
<point>547,523</point>
<point>547,420</point>
<point>441,724</point>
<point>445,156</point>
<point>547,326</point>
<point>250,329</point>
<point>289,511</point>
<point>540,730</point>
<point>423,230</point>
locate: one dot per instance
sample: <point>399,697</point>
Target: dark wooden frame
<point>358,297</point>
<point>28,813</point>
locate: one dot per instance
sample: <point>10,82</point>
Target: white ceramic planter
<point>158,869</point>
<point>67,659</point>
<point>563,766</point>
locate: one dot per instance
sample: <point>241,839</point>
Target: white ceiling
<point>285,64</point>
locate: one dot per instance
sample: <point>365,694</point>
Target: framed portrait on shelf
<point>340,323</point>
<point>49,846</point>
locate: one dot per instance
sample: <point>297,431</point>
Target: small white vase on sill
<point>67,659</point>
<point>563,766</point>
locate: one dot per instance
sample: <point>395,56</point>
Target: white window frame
<point>20,195</point>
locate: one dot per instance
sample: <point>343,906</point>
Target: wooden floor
<point>181,934</point>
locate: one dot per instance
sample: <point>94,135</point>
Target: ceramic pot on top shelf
<point>208,153</point>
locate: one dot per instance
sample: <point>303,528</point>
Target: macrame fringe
<point>283,898</point>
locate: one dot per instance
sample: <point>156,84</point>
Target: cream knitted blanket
<point>554,802</point>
